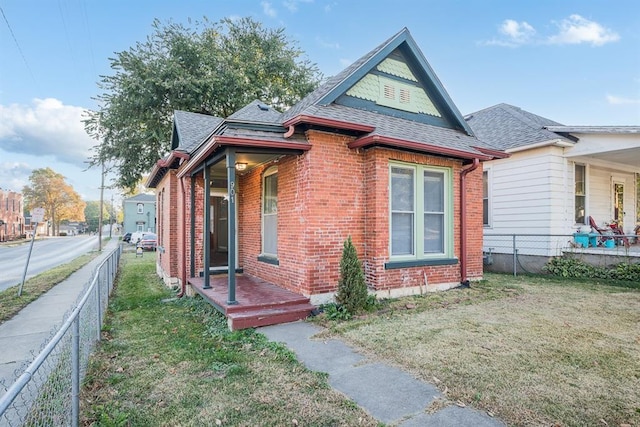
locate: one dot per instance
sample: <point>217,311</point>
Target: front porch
<point>258,303</point>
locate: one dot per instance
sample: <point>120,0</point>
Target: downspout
<point>290,131</point>
<point>183,272</point>
<point>463,220</point>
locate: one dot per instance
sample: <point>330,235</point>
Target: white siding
<point>528,197</point>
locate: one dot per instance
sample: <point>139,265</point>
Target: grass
<point>11,303</point>
<point>166,361</point>
<point>530,350</point>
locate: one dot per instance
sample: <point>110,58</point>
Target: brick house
<point>379,152</point>
<point>11,215</point>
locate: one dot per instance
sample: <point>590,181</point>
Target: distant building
<point>139,213</point>
<point>11,215</point>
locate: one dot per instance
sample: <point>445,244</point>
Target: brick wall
<point>11,213</point>
<point>331,192</point>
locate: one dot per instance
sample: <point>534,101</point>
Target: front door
<point>219,239</point>
<point>618,203</point>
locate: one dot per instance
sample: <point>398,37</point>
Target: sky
<point>573,61</point>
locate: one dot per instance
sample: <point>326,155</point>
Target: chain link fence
<point>47,392</point>
<point>529,253</point>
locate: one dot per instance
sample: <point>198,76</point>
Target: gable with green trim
<point>397,87</point>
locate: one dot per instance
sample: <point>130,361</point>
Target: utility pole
<point>101,210</point>
<point>111,217</point>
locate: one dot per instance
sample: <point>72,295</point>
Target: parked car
<point>137,236</point>
<point>126,237</point>
<point>149,242</point>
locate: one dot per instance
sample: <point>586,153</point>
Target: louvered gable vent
<point>394,85</point>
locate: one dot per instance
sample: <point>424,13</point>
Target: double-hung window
<point>580,193</point>
<point>140,207</point>
<point>421,212</point>
<point>270,213</point>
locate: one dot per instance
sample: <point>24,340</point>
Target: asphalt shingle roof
<point>141,198</point>
<point>257,112</point>
<point>193,128</point>
<point>505,126</point>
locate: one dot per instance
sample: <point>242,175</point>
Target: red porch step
<point>262,316</point>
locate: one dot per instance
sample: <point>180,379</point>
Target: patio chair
<point>618,231</point>
<point>609,233</point>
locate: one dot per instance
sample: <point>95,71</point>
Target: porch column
<point>231,254</point>
<point>206,243</point>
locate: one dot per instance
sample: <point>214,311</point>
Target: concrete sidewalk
<point>23,336</point>
<point>389,394</point>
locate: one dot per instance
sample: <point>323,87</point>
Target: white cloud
<point>325,44</point>
<point>618,100</point>
<point>518,32</point>
<point>575,30</point>
<point>14,175</point>
<point>47,127</point>
<point>268,9</point>
<point>292,5</point>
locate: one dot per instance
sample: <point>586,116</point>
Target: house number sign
<point>232,191</point>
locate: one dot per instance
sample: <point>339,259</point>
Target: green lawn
<point>165,361</point>
<point>530,350</point>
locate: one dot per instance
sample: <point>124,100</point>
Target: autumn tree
<point>49,190</point>
<point>213,68</point>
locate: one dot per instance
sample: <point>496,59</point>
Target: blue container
<point>581,239</point>
<point>609,243</point>
<point>593,239</point>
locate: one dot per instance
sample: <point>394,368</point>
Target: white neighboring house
<point>555,178</point>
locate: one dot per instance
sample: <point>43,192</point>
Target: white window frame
<point>487,198</point>
<point>584,196</point>
<point>419,213</point>
<point>273,170</point>
<point>140,207</point>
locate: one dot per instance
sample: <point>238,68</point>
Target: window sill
<point>268,259</point>
<point>419,263</point>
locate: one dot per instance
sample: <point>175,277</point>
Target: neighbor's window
<point>421,210</point>
<point>270,212</point>
<point>140,208</point>
<point>638,198</point>
<point>580,193</point>
<point>485,199</point>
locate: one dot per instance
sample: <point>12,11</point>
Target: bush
<point>575,268</point>
<point>352,289</point>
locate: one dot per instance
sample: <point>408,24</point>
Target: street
<point>47,254</point>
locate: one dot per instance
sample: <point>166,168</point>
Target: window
<point>580,193</point>
<point>485,199</point>
<point>140,208</point>
<point>420,223</point>
<point>139,228</point>
<point>270,212</point>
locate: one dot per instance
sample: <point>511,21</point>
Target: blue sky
<point>576,62</point>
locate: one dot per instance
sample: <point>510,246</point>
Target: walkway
<point>389,394</point>
<point>24,335</point>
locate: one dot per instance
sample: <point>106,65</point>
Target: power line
<point>18,46</point>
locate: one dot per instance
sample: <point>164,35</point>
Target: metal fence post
<point>98,305</point>
<point>75,373</point>
<point>515,257</point>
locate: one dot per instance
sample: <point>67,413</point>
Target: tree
<point>92,214</point>
<point>352,289</point>
<point>212,69</point>
<point>50,191</point>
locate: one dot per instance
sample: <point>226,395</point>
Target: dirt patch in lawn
<point>541,352</point>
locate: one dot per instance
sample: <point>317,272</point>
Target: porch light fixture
<point>241,166</point>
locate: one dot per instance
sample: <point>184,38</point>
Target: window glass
<point>485,198</point>
<point>433,212</point>
<point>140,208</point>
<point>580,194</point>
<point>270,212</point>
<point>402,211</point>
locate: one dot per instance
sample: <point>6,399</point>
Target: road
<point>47,253</point>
